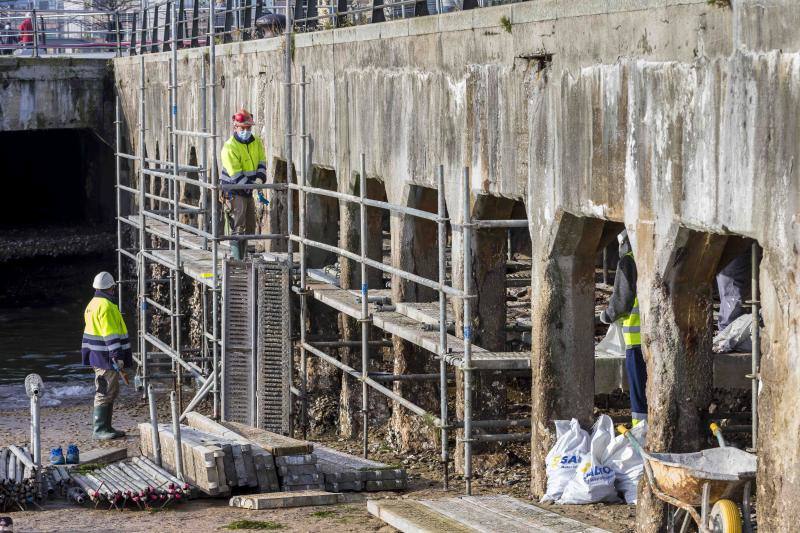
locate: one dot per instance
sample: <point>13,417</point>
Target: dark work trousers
<point>637,381</point>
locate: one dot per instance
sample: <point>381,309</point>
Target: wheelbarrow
<point>702,479</point>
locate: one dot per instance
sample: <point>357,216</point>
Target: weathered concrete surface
<point>56,93</point>
<point>665,115</point>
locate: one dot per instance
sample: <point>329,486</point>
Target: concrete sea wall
<point>675,118</point>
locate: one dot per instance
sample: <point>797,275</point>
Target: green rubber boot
<point>102,423</point>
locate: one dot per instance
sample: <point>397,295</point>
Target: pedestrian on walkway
<point>243,163</point>
<point>105,347</point>
<point>26,31</point>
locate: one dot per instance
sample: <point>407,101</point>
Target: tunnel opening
<point>56,178</point>
<point>56,233</point>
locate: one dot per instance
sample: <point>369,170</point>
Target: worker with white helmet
<point>105,347</point>
<point>243,163</point>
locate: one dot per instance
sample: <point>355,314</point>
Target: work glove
<point>262,198</point>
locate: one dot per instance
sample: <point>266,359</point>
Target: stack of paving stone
<point>301,465</point>
<point>299,472</point>
<point>296,464</point>
<point>344,472</point>
<point>214,464</point>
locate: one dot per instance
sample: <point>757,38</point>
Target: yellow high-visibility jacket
<point>105,336</point>
<point>243,163</point>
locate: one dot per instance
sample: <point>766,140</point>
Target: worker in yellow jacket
<point>105,347</point>
<point>243,163</point>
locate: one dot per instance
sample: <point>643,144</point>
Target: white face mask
<point>244,135</point>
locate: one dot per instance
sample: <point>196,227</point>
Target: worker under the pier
<point>624,306</point>
<point>733,282</point>
<point>243,163</point>
<point>105,347</point>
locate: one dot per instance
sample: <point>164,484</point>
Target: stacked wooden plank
<point>345,472</point>
<point>214,464</point>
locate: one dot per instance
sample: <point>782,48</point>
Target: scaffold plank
<point>410,516</point>
<point>392,322</point>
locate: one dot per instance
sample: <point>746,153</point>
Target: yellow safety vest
<point>242,163</point>
<point>105,336</point>
<point>631,323</point>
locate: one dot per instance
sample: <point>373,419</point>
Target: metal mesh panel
<point>272,404</point>
<point>238,390</point>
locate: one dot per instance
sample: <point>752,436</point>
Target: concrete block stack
<point>212,463</point>
<point>344,472</point>
<point>299,472</point>
<point>303,466</point>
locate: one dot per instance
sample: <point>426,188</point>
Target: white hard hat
<point>622,237</point>
<point>29,14</point>
<point>103,281</point>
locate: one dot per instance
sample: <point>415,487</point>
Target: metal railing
<point>58,32</point>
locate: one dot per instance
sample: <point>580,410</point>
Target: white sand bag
<point>572,444</point>
<point>626,462</point>
<point>594,480</point>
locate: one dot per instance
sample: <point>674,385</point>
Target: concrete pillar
<point>322,218</point>
<point>321,225</point>
<point>414,250</point>
<point>779,400</point>
<point>274,219</point>
<point>489,257</point>
<point>350,278</point>
<point>562,315</point>
<point>675,272</point>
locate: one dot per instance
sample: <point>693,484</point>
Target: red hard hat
<point>243,118</point>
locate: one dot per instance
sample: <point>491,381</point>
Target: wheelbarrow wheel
<point>725,517</point>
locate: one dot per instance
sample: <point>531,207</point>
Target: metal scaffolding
<point>178,240</point>
<point>174,235</point>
